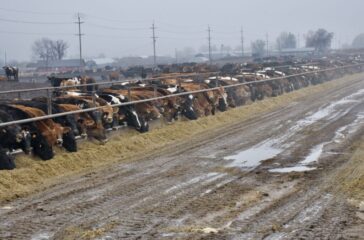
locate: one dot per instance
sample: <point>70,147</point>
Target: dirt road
<point>274,176</point>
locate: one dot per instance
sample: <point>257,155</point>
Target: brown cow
<point>52,131</point>
<point>86,124</point>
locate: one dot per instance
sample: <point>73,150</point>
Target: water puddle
<point>292,169</point>
<point>41,236</point>
<point>314,154</point>
<point>6,208</point>
<point>252,157</point>
<point>330,109</point>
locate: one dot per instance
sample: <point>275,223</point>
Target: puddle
<point>292,169</point>
<point>6,208</point>
<point>314,154</point>
<point>41,236</point>
<point>252,157</point>
<point>328,110</point>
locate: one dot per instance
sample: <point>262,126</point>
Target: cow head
<point>187,108</point>
<point>25,139</point>
<point>41,147</point>
<point>69,141</point>
<point>222,100</point>
<point>134,119</point>
<point>6,161</point>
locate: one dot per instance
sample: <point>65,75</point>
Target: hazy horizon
<point>119,29</point>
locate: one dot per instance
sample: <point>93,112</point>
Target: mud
<point>178,181</point>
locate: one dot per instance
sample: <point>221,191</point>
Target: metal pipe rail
<point>177,75</point>
<point>101,83</point>
<point>168,96</point>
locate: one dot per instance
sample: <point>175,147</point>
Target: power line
<point>33,22</point>
<point>33,33</point>
<point>115,28</point>
<point>33,12</point>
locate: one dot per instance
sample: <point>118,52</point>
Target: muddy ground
<point>285,168</point>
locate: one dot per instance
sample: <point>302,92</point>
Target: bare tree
<point>358,41</point>
<point>42,49</point>
<point>47,49</point>
<point>320,40</point>
<point>258,48</point>
<point>59,48</point>
<point>286,40</point>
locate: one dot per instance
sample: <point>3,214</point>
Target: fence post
<point>49,102</point>
<point>155,90</point>
<point>129,93</point>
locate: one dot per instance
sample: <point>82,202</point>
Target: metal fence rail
<point>175,75</point>
<point>49,116</point>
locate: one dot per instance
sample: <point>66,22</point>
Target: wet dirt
<point>198,182</point>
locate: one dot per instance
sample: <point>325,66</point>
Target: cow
<point>11,72</point>
<point>41,147</point>
<point>13,137</point>
<point>6,160</point>
<point>99,132</point>
<point>206,103</point>
<point>236,96</point>
<point>258,90</point>
<point>125,113</point>
<point>68,138</point>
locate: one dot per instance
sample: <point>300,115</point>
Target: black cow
<point>6,161</point>
<point>14,137</point>
<point>40,145</point>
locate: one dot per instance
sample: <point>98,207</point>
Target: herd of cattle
<point>41,137</point>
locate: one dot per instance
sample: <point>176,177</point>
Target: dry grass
<point>34,175</point>
<point>350,177</point>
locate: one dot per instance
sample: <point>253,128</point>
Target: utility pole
<point>242,42</point>
<point>154,46</point>
<point>79,37</point>
<point>176,54</point>
<point>5,60</point>
<point>209,39</point>
<point>267,43</point>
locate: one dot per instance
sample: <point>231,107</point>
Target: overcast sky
<point>122,27</point>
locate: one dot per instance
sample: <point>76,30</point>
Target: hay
<point>34,175</point>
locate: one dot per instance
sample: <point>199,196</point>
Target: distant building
<point>295,52</point>
<point>59,66</point>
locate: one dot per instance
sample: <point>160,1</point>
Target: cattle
<point>68,138</point>
<point>6,160</point>
<point>258,90</point>
<point>114,76</point>
<point>14,137</point>
<point>41,146</point>
<point>236,96</point>
<point>73,83</point>
<point>206,103</point>
<point>98,132</point>
<point>11,72</point>
<point>127,113</point>
<point>11,138</point>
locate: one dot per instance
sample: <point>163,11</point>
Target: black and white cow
<point>11,72</point>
